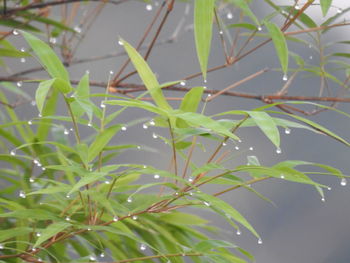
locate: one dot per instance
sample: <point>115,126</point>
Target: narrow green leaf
<point>207,245</point>
<point>325,5</point>
<point>14,232</point>
<point>268,126</point>
<point>33,214</point>
<point>41,93</point>
<point>147,76</point>
<point>243,25</point>
<point>47,57</point>
<point>179,218</point>
<point>102,140</point>
<point>87,178</point>
<point>280,44</point>
<point>4,52</point>
<point>50,231</point>
<point>243,4</point>
<point>190,103</point>
<point>203,25</point>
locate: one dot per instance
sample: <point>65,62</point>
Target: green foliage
<point>69,200</point>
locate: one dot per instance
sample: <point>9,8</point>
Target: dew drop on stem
<point>183,83</point>
<point>206,203</point>
<point>23,49</point>
<point>143,247</point>
<point>152,123</point>
<point>77,29</point>
<point>149,7</point>
<point>282,176</point>
<point>134,218</point>
<point>221,32</point>
<point>285,77</point>
<point>190,179</point>
<point>297,7</point>
<point>33,103</point>
<point>115,218</point>
<point>90,124</point>
<point>339,10</point>
<point>323,199</point>
<point>66,131</point>
<point>343,182</point>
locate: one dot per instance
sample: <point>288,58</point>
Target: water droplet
<point>176,193</point>
<point>23,60</point>
<point>206,203</point>
<point>53,40</point>
<point>297,7</point>
<point>259,28</point>
<point>329,188</point>
<point>38,234</point>
<point>260,241</point>
<point>190,193</point>
<point>287,131</point>
<point>205,81</point>
<point>143,247</point>
<point>33,249</point>
<point>145,126</point>
<point>152,122</point>
<point>129,200</point>
<point>40,260</point>
<point>190,179</point>
<point>67,196</point>
<point>1,246</point>
<point>138,147</point>
<point>23,49</point>
<point>134,218</point>
<point>310,57</point>
<point>323,199</point>
<point>22,194</point>
<point>31,179</point>
<point>145,166</point>
<point>183,83</point>
<point>30,122</point>
<point>120,43</point>
<point>239,140</point>
<point>13,152</point>
<point>92,258</point>
<point>67,218</point>
<point>278,151</point>
<point>224,144</point>
<point>33,103</point>
<point>156,176</point>
<point>285,77</point>
<point>102,105</point>
<point>284,12</point>
<point>229,15</point>
<point>43,168</point>
<point>339,10</point>
<point>87,71</point>
<point>282,176</point>
<point>88,229</point>
<point>221,32</point>
<point>115,218</point>
<point>155,136</point>
<point>90,124</point>
<point>111,72</point>
<point>251,148</point>
<point>35,161</point>
<point>107,182</point>
<point>66,131</point>
<point>238,232</point>
<point>343,182</point>
<point>15,32</point>
<point>237,148</point>
<point>124,128</point>
<point>102,255</point>
<point>40,115</point>
<point>77,29</point>
<point>19,84</point>
<point>149,7</point>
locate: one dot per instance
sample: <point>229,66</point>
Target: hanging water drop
<point>282,176</point>
<point>90,124</point>
<point>23,49</point>
<point>124,128</point>
<point>237,148</point>
<point>238,232</point>
<point>111,72</point>
<point>92,258</point>
<point>190,179</point>
<point>224,144</point>
<point>31,179</point>
<point>102,105</point>
<point>22,194</point>
<point>297,7</point>
<point>40,115</point>
<point>260,241</point>
<point>15,32</point>
<point>66,131</point>
<point>206,203</point>
<point>13,152</point>
<point>120,43</point>
<point>38,234</point>
<point>77,29</point>
<point>143,247</point>
<point>145,126</point>
<point>30,122</point>
<point>229,15</point>
<point>156,176</point>
<point>33,103</point>
<point>183,83</point>
<point>310,57</point>
<point>19,84</point>
<point>239,140</point>
<point>287,131</point>
<point>343,182</point>
<point>323,199</point>
<point>285,77</point>
<point>43,168</point>
<point>53,40</point>
<point>329,188</point>
<point>102,255</point>
<point>107,182</point>
<point>190,193</point>
<point>129,200</point>
<point>67,218</point>
<point>221,32</point>
<point>155,136</point>
<point>339,10</point>
<point>278,151</point>
<point>115,218</point>
<point>149,7</point>
<point>259,28</point>
<point>67,196</point>
<point>138,147</point>
<point>134,218</point>
<point>89,229</point>
<point>23,60</point>
<point>152,122</point>
<point>1,246</point>
<point>205,81</point>
<point>251,148</point>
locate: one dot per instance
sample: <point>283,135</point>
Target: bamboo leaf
<point>207,245</point>
<point>203,24</point>
<point>50,231</point>
<point>280,44</point>
<point>190,103</point>
<point>325,5</point>
<point>147,76</point>
<point>268,126</point>
<point>41,93</point>
<point>242,4</point>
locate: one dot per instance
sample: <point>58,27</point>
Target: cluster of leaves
<point>75,203</point>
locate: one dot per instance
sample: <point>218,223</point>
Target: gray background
<point>300,228</point>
